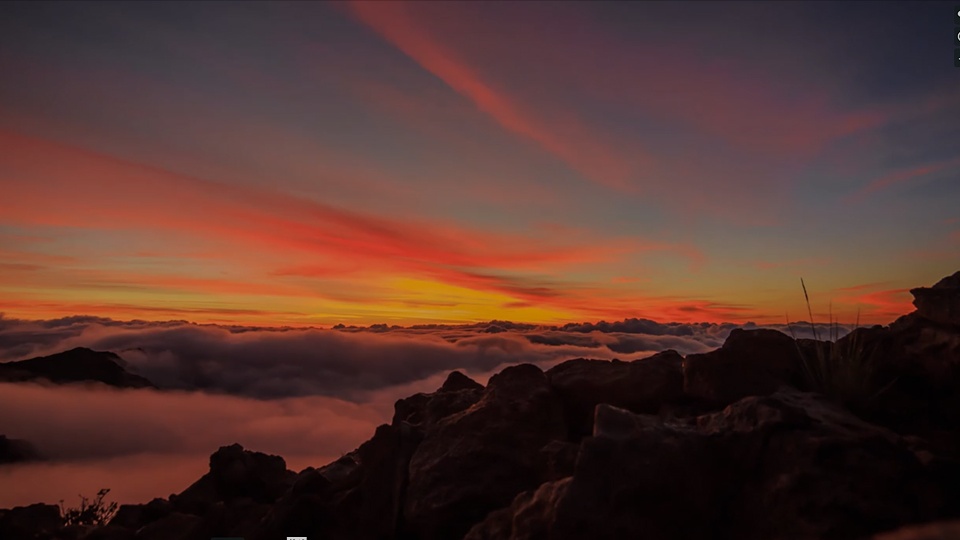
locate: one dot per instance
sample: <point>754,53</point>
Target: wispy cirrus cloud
<point>396,24</point>
<point>901,176</point>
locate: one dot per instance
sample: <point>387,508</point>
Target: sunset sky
<point>402,163</point>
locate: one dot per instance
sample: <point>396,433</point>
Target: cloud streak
<point>396,24</point>
<point>337,250</point>
<point>899,177</point>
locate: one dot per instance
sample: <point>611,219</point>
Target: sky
<point>309,164</point>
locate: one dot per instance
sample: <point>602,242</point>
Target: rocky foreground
<point>738,443</point>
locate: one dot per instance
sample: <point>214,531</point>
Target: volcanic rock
<point>479,459</point>
<point>236,474</point>
<point>458,393</point>
<point>940,303</point>
<point>176,526</point>
<point>640,386</point>
<point>788,465</point>
<point>135,516</point>
<point>750,363</point>
<point>29,521</point>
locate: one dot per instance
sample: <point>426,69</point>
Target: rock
<point>557,459</point>
<point>230,520</point>
<point>458,381</point>
<point>379,498</point>
<point>457,394</point>
<point>110,532</point>
<point>479,459</point>
<point>75,365</point>
<point>357,497</point>
<point>944,530</point>
<point>787,465</point>
<point>17,451</point>
<point>74,532</point>
<point>916,371</point>
<point>941,303</point>
<point>640,386</point>
<point>29,521</point>
<point>525,518</point>
<point>343,473</point>
<point>134,516</point>
<point>750,363</point>
<point>236,474</point>
<point>176,526</point>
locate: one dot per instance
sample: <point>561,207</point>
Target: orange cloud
<point>881,306</point>
<point>344,256</point>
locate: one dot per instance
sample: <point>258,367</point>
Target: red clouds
<point>266,243</point>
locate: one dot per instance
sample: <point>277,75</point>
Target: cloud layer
<point>346,362</point>
<point>145,444</point>
<point>306,394</point>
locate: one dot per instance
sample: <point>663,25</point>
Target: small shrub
<point>94,512</point>
<point>843,373</point>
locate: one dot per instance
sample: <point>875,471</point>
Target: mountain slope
<point>75,365</point>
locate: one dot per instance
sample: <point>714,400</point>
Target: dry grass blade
<point>843,373</point>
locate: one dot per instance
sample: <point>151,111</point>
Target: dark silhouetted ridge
<point>76,365</point>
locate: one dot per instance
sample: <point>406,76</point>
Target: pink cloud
<point>56,184</point>
<point>398,24</point>
<point>898,177</point>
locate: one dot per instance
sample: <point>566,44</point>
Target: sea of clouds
<point>309,395</point>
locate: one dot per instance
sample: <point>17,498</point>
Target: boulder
<point>941,303</point>
<point>916,364</point>
<point>479,459</point>
<point>237,519</point>
<point>750,363</point>
<point>134,516</point>
<point>360,496</point>
<point>457,381</point>
<point>641,386</point>
<point>557,459</point>
<point>374,508</point>
<point>787,465</point>
<point>236,474</point>
<point>528,516</point>
<point>457,394</point>
<point>29,521</point>
<point>176,526</point>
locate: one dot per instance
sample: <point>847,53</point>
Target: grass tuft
<point>844,373</point>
